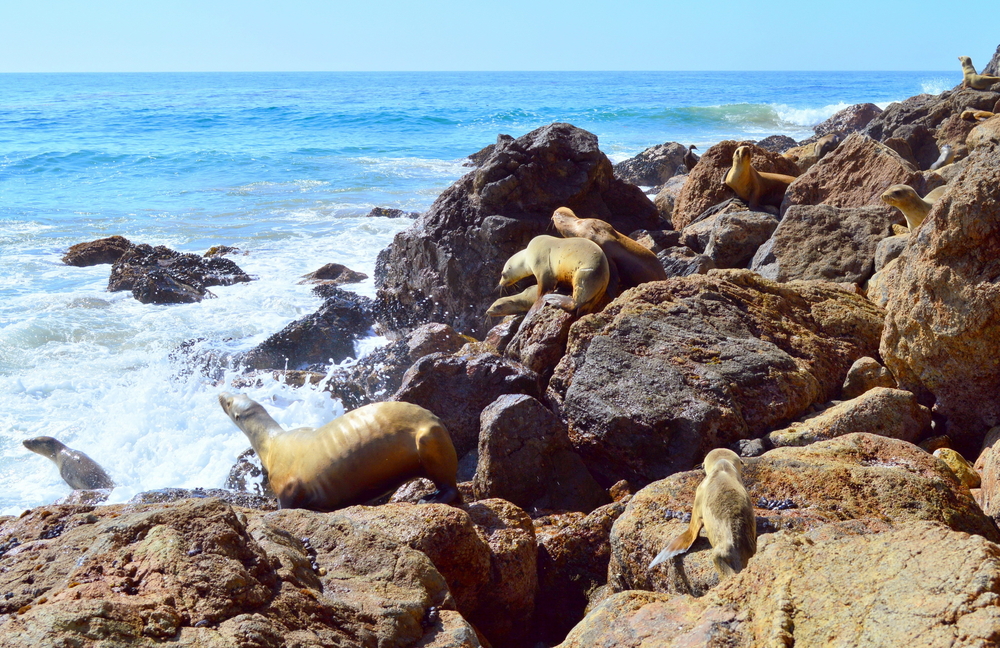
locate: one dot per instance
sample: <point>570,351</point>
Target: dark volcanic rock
<point>321,338</point>
<point>445,268</point>
<point>334,274</point>
<point>105,250</point>
<point>480,156</point>
<point>654,166</point>
<point>736,236</point>
<point>777,143</point>
<point>390,212</point>
<point>162,276</point>
<point>849,120</point>
<point>672,369</point>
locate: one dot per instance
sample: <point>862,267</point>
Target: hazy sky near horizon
<point>374,35</point>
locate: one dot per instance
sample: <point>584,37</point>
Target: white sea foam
<point>807,117</point>
<point>937,85</point>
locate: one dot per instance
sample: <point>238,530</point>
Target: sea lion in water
<point>972,80</point>
<point>914,208</point>
<point>946,157</point>
<point>976,115</point>
<point>634,263</point>
<point>755,187</point>
<point>577,262</point>
<point>77,469</point>
<point>722,504</point>
<point>354,458</point>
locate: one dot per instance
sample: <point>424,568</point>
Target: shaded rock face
<point>735,237</point>
<point>889,248</point>
<point>667,196</point>
<point>318,339</point>
<point>943,310</point>
<point>867,482</point>
<point>652,167</point>
<point>525,457</point>
<point>853,175</point>
<point>480,156</point>
<point>446,267</point>
<point>934,587</point>
<point>458,387</point>
<point>105,250</point>
<point>674,368</point>
<point>849,120</point>
<point>824,242</point>
<point>162,276</point>
<point>705,185</point>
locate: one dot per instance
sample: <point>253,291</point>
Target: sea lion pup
<point>722,504</point>
<point>905,199</point>
<point>976,115</point>
<point>77,469</point>
<point>354,458</point>
<point>575,261</point>
<point>690,159</point>
<point>972,80</point>
<point>947,157</point>
<point>634,263</point>
<point>807,155</point>
<point>515,304</point>
<point>754,187</point>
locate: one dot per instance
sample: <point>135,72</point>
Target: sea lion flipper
<point>683,542</point>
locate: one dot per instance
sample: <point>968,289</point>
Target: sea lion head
<point>899,195</point>
<point>965,60</point>
<point>44,445</point>
<point>723,459</point>
<point>741,156</point>
<point>243,410</point>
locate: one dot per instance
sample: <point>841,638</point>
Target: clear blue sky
<point>362,35</point>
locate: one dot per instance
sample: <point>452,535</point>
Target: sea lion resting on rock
<point>976,115</point>
<point>77,469</point>
<point>806,156</point>
<point>575,261</point>
<point>972,80</point>
<point>722,504</point>
<point>354,458</point>
<point>635,264</point>
<point>905,199</point>
<point>754,187</point>
<point>946,157</point>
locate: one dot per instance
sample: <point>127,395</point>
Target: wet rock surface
<point>163,276</point>
<point>105,250</point>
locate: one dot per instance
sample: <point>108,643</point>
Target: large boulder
<point>445,267</point>
<point>736,236</point>
<point>105,250</point>
<point>849,120</point>
<point>942,324</point>
<point>672,369</point>
<point>824,242</point>
<point>654,166</point>
<point>705,185</point>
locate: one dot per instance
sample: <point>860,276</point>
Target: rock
<point>777,143</point>
<point>807,155</point>
<point>105,250</point>
<point>672,369</point>
<point>248,476</point>
<point>824,242</point>
<point>479,157</point>
<point>963,470</point>
<point>993,67</point>
<point>667,196</point>
<point>889,248</point>
<point>162,276</point>
<point>682,261</point>
<point>378,375</point>
<point>943,310</point>
<point>872,481</point>
<point>705,186</point>
<point>168,495</point>
<point>736,236</point>
<point>849,120</point>
<point>656,240</point>
<point>882,283</point>
<point>222,250</point>
<point>887,412</point>
<point>934,587</point>
<point>573,555</point>
<point>525,457</point>
<point>458,387</point>
<point>986,134</point>
<point>327,336</point>
<point>390,212</point>
<point>540,341</point>
<point>446,266</point>
<point>334,274</point>
<point>653,166</point>
<point>853,175</point>
<point>866,373</point>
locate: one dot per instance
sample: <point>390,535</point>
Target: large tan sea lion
<point>754,187</point>
<point>575,262</point>
<point>77,469</point>
<point>914,208</point>
<point>972,80</point>
<point>354,458</point>
<point>723,506</point>
<point>635,264</point>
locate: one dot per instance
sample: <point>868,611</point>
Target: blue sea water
<point>284,167</point>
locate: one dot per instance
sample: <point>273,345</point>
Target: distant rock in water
<point>389,212</point>
<point>163,276</point>
<point>105,250</point>
<point>334,274</point>
<point>777,143</point>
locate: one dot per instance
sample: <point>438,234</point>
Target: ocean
<point>284,167</point>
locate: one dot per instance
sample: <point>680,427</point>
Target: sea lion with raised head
<point>972,80</point>
<point>946,157</point>
<point>914,208</point>
<point>754,187</point>
<point>723,506</point>
<point>576,262</point>
<point>354,458</point>
<point>634,263</point>
<point>77,469</point>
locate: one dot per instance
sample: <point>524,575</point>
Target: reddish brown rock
<point>105,250</point>
<point>540,341</point>
<point>334,274</point>
<point>705,188</point>
<point>849,120</point>
<point>864,374</point>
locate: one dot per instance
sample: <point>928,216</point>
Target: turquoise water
<point>283,166</point>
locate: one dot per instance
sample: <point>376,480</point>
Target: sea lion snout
<point>44,445</point>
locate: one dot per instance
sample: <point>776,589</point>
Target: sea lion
<point>354,458</point>
<point>515,304</point>
<point>914,208</point>
<point>972,80</point>
<point>722,504</point>
<point>77,469</point>
<point>754,187</point>
<point>577,262</point>
<point>634,263</point>
<point>976,115</point>
<point>807,155</point>
<point>947,157</point>
<point>690,159</point>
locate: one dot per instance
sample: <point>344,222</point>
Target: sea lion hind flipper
<point>681,543</point>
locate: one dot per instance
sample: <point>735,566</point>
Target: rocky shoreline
<point>828,345</point>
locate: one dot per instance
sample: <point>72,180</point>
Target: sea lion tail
<point>677,546</point>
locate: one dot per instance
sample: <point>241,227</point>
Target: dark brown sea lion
<point>77,469</point>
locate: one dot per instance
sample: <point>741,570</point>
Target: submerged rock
<point>162,276</point>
